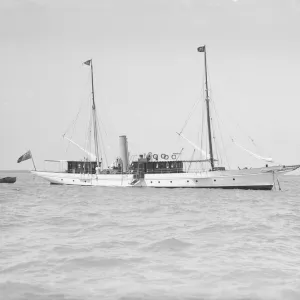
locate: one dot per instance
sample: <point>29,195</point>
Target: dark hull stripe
<point>253,187</point>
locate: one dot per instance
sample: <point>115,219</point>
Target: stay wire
<point>196,103</point>
<point>220,131</point>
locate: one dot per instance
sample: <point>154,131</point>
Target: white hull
<point>260,178</point>
<point>224,179</point>
<point>113,180</point>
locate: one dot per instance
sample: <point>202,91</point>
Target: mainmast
<point>203,49</point>
<point>90,63</point>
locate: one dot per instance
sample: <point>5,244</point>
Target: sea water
<point>73,242</point>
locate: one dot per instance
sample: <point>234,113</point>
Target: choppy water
<point>68,242</point>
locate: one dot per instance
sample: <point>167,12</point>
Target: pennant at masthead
<point>88,62</point>
<point>201,49</point>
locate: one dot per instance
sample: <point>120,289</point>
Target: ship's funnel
<point>124,152</point>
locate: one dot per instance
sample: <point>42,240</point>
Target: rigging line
<point>209,84</point>
<point>217,147</point>
<point>77,115</point>
<point>102,124</point>
<point>198,140</point>
<point>102,144</point>
<point>73,128</point>
<point>254,154</point>
<point>220,122</point>
<point>99,128</point>
<point>97,141</point>
<point>81,148</point>
<point>90,136</point>
<point>190,142</point>
<point>199,136</point>
<point>246,134</point>
<point>206,133</point>
<point>73,124</point>
<point>103,151</point>
<point>196,103</point>
<point>88,140</point>
<point>215,141</point>
<point>190,114</point>
<point>233,139</point>
<point>231,117</point>
<point>105,156</point>
<point>222,140</point>
<point>203,132</point>
<point>202,126</point>
<point>89,127</point>
<point>192,157</point>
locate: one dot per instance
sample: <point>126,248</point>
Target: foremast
<point>207,100</point>
<point>94,113</point>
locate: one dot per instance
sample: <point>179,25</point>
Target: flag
<point>25,156</point>
<point>201,49</point>
<point>88,62</point>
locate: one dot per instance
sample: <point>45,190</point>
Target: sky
<point>148,75</point>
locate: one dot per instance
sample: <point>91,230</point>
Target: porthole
<point>187,181</point>
<point>159,182</point>
<point>214,179</point>
<point>170,181</point>
<point>233,178</point>
<point>150,181</point>
<point>61,180</point>
<point>73,180</point>
<point>196,180</point>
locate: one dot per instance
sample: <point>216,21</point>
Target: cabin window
<point>149,166</point>
<point>162,165</point>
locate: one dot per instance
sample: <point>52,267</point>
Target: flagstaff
<point>32,160</point>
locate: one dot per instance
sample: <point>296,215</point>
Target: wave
<point>99,262</point>
<point>24,291</point>
<point>172,244</point>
